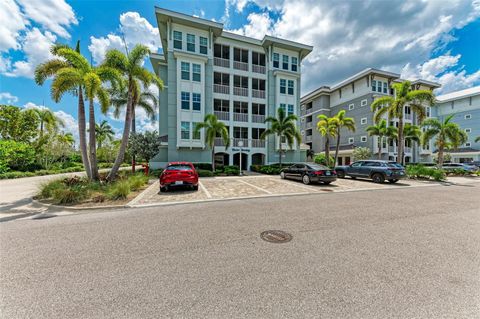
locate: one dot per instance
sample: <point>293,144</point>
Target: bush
<point>203,166</point>
<point>119,190</point>
<point>361,153</point>
<point>137,181</point>
<point>231,170</point>
<point>46,191</point>
<point>204,173</point>
<point>15,156</point>
<point>69,195</point>
<point>322,159</point>
<point>420,171</point>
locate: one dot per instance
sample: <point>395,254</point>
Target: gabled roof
<point>459,94</point>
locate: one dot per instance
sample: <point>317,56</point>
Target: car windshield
<point>318,167</point>
<point>179,167</point>
<point>393,164</point>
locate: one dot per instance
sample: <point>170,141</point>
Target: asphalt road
<point>406,253</point>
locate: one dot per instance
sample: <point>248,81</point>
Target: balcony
<point>258,94</point>
<point>224,116</point>
<point>309,125</point>
<point>258,143</point>
<point>240,65</point>
<point>240,117</point>
<point>219,141</point>
<point>244,141</point>
<point>222,89</point>
<point>257,118</point>
<point>258,68</point>
<point>408,117</point>
<point>240,91</point>
<point>225,63</point>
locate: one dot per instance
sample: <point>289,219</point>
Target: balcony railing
<point>309,125</point>
<point>240,65</point>
<point>258,68</point>
<point>240,91</point>
<point>258,94</point>
<point>240,117</point>
<point>224,116</point>
<point>221,62</point>
<point>223,89</point>
<point>257,118</point>
<point>236,140</point>
<point>258,143</point>
<point>219,141</point>
<point>408,116</point>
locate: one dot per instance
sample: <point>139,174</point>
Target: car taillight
<point>318,172</point>
<point>334,172</point>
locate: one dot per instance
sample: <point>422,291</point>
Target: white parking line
<point>204,189</point>
<point>255,186</point>
<point>299,184</point>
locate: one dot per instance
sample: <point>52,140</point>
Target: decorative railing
<point>258,94</point>
<point>240,117</point>
<point>219,141</point>
<point>223,89</point>
<point>224,116</point>
<point>258,143</point>
<point>258,68</point>
<point>221,62</point>
<point>257,118</point>
<point>244,140</point>
<point>240,65</point>
<point>240,91</point>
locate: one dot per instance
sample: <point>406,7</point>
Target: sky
<point>436,40</point>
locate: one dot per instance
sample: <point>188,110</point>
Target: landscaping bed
<point>78,167</point>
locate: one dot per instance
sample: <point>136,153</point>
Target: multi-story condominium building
<point>465,106</point>
<point>241,80</point>
<point>355,95</point>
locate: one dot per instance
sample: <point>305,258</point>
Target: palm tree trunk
<point>126,132</point>
<point>440,156</point>
<point>380,147</point>
<point>81,132</point>
<point>280,152</point>
<point>92,141</point>
<point>134,130</point>
<point>337,147</point>
<point>401,140</point>
<point>213,158</point>
<point>327,151</point>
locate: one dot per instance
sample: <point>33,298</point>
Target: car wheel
<point>393,180</point>
<point>327,183</point>
<point>163,189</point>
<point>306,179</point>
<point>282,175</point>
<point>195,188</point>
<point>341,174</point>
<point>353,177</point>
<point>378,178</point>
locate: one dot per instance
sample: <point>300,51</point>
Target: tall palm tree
<point>284,127</point>
<point>412,133</point>
<point>47,120</point>
<point>131,68</point>
<point>62,59</point>
<point>66,138</point>
<point>327,126</point>
<point>382,131</point>
<point>446,132</point>
<point>342,122</point>
<point>213,128</point>
<point>395,106</point>
<point>103,132</point>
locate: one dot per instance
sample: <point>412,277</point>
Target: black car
<point>309,173</point>
<point>377,170</point>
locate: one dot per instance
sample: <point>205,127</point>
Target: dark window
<point>283,86</point>
<point>240,55</point>
<point>221,78</point>
<point>240,132</point>
<point>191,42</point>
<point>221,51</point>
<point>276,60</point>
<point>290,87</point>
<point>240,81</point>
<point>285,62</point>
<point>221,105</point>
<point>258,84</point>
<point>240,107</point>
<point>177,40</point>
<point>203,45</point>
<point>258,58</point>
<point>258,109</point>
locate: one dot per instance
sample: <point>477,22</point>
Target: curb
<point>77,208</point>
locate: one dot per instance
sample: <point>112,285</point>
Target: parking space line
<point>297,184</point>
<point>255,186</point>
<point>204,189</point>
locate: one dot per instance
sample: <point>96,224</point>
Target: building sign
<point>236,149</point>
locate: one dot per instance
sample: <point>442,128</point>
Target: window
<point>240,55</point>
<point>363,139</point>
<point>221,51</point>
<point>468,144</point>
<point>276,60</point>
<point>196,101</point>
<point>221,78</point>
<point>177,40</point>
<point>196,72</point>
<point>185,71</point>
<point>195,135</point>
<point>379,86</point>
<point>363,103</point>
<point>190,42</point>
<point>290,109</point>
<point>357,164</point>
<point>258,58</point>
<point>258,109</point>
<point>283,86</point>
<point>363,121</point>
<point>285,62</point>
<point>283,106</point>
<point>185,130</point>
<point>428,111</point>
<point>240,132</point>
<point>468,130</point>
<point>351,106</point>
<point>385,87</point>
<point>221,105</point>
<point>257,133</point>
<point>290,87</point>
<point>203,45</point>
<point>185,101</point>
<point>374,85</point>
<point>468,116</point>
<point>453,104</point>
<point>294,64</point>
<point>240,107</point>
<point>351,140</point>
<point>258,84</point>
<point>240,81</point>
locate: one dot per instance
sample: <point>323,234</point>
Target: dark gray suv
<point>378,171</point>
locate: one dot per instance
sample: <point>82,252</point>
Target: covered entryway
<point>222,159</point>
<point>258,159</point>
<point>236,160</point>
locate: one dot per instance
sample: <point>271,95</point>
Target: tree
<point>327,126</point>
<point>48,120</point>
<point>145,145</point>
<point>477,139</point>
<point>17,124</point>
<point>130,67</point>
<point>15,155</point>
<point>342,122</point>
<point>447,134</point>
<point>412,133</point>
<point>310,153</point>
<point>284,127</point>
<point>381,130</point>
<point>103,132</point>
<point>213,128</point>
<point>361,153</point>
<point>394,107</point>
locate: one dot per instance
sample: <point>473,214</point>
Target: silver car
<point>462,166</point>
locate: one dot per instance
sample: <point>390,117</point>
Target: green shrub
<point>137,181</point>
<point>231,170</point>
<point>204,173</point>
<point>16,155</point>
<point>420,171</point>
<point>322,159</point>
<point>46,190</point>
<point>69,195</point>
<point>203,166</point>
<point>119,190</point>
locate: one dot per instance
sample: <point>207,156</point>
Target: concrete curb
<point>77,208</point>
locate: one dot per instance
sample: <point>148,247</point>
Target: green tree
<point>382,131</point>
<point>145,145</point>
<point>477,139</point>
<point>342,122</point>
<point>394,107</point>
<point>412,134</point>
<point>15,155</point>
<point>327,126</point>
<point>284,128</point>
<point>103,133</point>
<point>361,153</point>
<point>131,68</point>
<point>213,128</point>
<point>446,133</point>
<point>17,124</point>
<point>48,120</point>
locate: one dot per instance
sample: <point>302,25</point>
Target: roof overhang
<point>303,49</point>
<point>361,74</point>
<point>323,90</point>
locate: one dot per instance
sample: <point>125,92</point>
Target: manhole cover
<point>276,236</point>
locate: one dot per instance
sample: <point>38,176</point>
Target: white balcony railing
<point>224,116</point>
<point>223,89</point>
<point>258,94</point>
<point>257,118</point>
<point>309,125</point>
<point>240,65</point>
<point>221,62</point>
<point>219,141</point>
<point>240,91</point>
<point>240,117</point>
<point>408,116</point>
<point>258,143</point>
<point>258,68</point>
<point>244,141</point>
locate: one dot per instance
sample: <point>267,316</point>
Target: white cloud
<point>10,31</point>
<point>258,25</point>
<point>8,98</point>
<point>136,29</point>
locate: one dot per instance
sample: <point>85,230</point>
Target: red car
<point>179,174</point>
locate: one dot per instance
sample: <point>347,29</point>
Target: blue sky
<point>434,40</point>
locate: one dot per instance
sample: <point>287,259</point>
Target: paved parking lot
<point>215,188</point>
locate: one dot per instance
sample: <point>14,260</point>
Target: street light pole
<point>240,144</point>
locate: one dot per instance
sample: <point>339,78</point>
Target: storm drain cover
<point>326,190</point>
<point>276,236</point>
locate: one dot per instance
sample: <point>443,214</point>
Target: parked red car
<point>179,174</point>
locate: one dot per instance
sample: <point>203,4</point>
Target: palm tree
<point>381,130</point>
<point>284,127</point>
<point>130,66</point>
<point>412,133</point>
<point>103,132</point>
<point>477,139</point>
<point>66,138</point>
<point>395,106</point>
<point>327,126</point>
<point>213,128</point>
<point>447,134</point>
<point>63,59</point>
<point>342,122</point>
<point>48,120</point>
